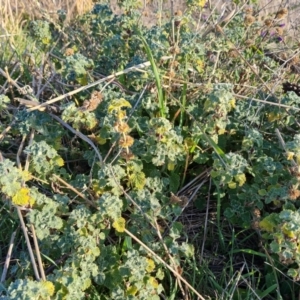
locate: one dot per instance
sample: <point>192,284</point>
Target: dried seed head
<point>248,20</point>
<point>178,17</point>
<point>256,212</point>
<point>174,50</point>
<point>175,63</point>
<point>268,22</point>
<point>172,73</point>
<point>211,56</point>
<point>255,225</point>
<point>128,155</point>
<point>181,200</point>
<point>282,13</point>
<point>284,56</point>
<point>248,10</point>
<point>294,193</point>
<point>295,60</point>
<point>249,43</point>
<point>126,141</point>
<point>122,127</point>
<point>69,52</point>
<point>178,13</point>
<point>279,31</point>
<point>233,53</point>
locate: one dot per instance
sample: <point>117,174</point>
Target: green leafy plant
<point>150,161</point>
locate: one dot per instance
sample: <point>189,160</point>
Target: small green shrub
<point>156,130</point>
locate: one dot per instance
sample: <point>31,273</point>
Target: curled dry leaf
<point>93,102</point>
<point>181,200</point>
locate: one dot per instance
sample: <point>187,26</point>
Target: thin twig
<point>38,254</point>
<point>34,266</point>
<point>36,245</point>
<point>204,174</point>
<point>266,102</point>
<point>170,257</point>
<point>25,232</point>
<point>80,135</point>
<point>187,203</point>
<point>216,62</point>
<point>20,151</point>
<point>31,137</point>
<point>8,256</point>
<point>283,145</point>
<point>163,262</point>
<point>205,223</point>
<point>88,201</point>
<point>128,70</point>
<point>225,19</point>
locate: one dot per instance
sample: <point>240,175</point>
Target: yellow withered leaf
<point>119,224</point>
<point>240,179</point>
<point>23,198</point>
<point>49,287</point>
<point>150,265</point>
<point>117,104</point>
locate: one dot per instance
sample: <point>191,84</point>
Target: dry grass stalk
<point>24,9</point>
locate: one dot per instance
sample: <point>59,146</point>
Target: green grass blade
<point>157,77</point>
<point>183,96</point>
<point>250,251</point>
<point>221,236</point>
<point>268,291</point>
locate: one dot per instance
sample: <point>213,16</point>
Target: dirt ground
<point>150,8</point>
<point>266,7</point>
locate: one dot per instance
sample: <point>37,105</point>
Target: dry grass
<point>12,11</point>
<point>15,10</point>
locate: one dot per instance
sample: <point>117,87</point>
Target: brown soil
<point>151,8</point>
